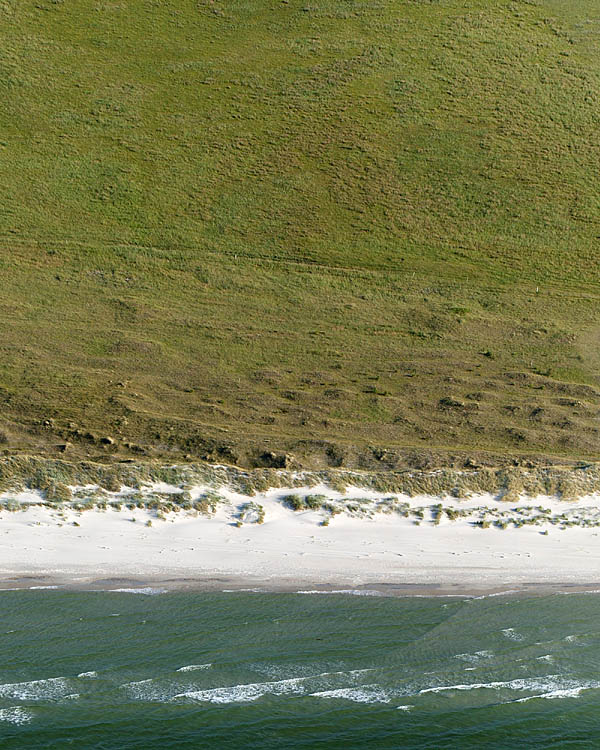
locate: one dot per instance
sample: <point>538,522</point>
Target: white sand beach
<point>292,550</point>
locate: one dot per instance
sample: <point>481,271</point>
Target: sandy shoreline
<point>159,585</point>
<point>292,551</point>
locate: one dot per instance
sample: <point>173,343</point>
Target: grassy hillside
<point>319,226</point>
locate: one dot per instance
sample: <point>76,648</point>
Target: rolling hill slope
<point>331,227</point>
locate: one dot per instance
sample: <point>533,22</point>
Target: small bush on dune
<point>252,513</point>
<point>338,485</point>
<point>207,503</point>
<point>12,506</point>
<point>57,492</point>
<point>295,502</point>
<point>110,482</point>
<point>314,502</point>
<point>403,510</point>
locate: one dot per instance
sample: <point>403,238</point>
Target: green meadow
<point>347,230</point>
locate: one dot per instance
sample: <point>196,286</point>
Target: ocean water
<point>127,669</point>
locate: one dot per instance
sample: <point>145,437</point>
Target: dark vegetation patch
<point>56,478</point>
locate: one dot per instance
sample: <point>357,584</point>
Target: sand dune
<point>293,550</point>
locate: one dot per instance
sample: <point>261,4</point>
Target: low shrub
<point>295,502</point>
<point>252,513</point>
<point>57,492</point>
<point>314,502</point>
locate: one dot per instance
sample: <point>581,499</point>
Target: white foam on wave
<point>362,694</point>
<point>50,689</point>
<point>552,686</point>
<point>16,715</point>
<point>41,588</point>
<point>244,693</point>
<point>155,689</point>
<point>577,593</point>
<point>194,667</point>
<point>147,590</point>
<point>405,708</point>
<point>497,593</point>
<point>283,671</point>
<point>305,671</point>
<point>88,674</point>
<point>247,692</point>
<point>351,592</point>
<point>476,657</point>
<point>159,690</point>
<point>554,694</point>
<point>147,690</point>
<point>463,597</point>
<point>512,634</point>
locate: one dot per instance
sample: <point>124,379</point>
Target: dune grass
<point>328,227</point>
<point>60,481</point>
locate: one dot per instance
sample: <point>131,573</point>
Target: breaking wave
<point>351,592</point>
<point>247,692</point>
<point>553,686</point>
<point>35,690</point>
<point>16,715</point>
<point>147,590</point>
<point>363,694</point>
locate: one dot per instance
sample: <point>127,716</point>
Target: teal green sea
<point>119,670</point>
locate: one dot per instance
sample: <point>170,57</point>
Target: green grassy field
<point>328,227</point>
